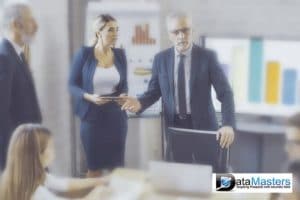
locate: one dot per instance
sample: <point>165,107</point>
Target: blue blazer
<point>205,73</point>
<point>82,73</point>
<point>18,100</point>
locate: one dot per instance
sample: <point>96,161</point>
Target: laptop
<point>181,179</point>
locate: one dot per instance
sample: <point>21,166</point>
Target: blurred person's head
<point>294,168</point>
<point>293,137</point>
<point>30,152</point>
<point>18,23</point>
<point>105,30</point>
<point>179,27</point>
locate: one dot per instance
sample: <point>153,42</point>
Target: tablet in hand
<point>119,100</point>
<point>111,98</point>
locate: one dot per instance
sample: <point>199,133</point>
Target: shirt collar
<point>186,52</point>
<point>17,47</point>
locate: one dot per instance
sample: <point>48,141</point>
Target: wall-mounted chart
<point>264,74</point>
<point>142,35</point>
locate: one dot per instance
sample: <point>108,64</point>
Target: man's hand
<point>225,136</point>
<point>122,99</point>
<point>131,104</point>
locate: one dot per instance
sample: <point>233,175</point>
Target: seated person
<point>31,151</point>
<point>294,168</point>
<point>292,136</point>
<point>292,148</point>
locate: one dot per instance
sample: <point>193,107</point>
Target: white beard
<point>27,39</point>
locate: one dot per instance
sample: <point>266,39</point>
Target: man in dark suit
<point>183,76</point>
<point>18,100</point>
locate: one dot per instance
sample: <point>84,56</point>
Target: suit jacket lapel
<point>91,64</point>
<point>12,51</point>
<point>117,62</point>
<point>22,64</point>
<point>170,69</point>
<point>194,63</point>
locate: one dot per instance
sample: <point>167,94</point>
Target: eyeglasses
<point>182,30</point>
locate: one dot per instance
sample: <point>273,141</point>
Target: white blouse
<point>52,183</point>
<point>105,80</point>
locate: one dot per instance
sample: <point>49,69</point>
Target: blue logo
<point>225,182</point>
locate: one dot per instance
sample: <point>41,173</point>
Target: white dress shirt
<point>105,80</point>
<point>187,70</point>
<point>17,48</point>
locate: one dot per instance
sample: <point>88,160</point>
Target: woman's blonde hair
<point>24,170</point>
<point>99,24</point>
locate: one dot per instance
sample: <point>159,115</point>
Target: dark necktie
<point>23,58</point>
<point>25,64</point>
<point>181,87</point>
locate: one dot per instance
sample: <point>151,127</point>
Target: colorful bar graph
<point>289,86</point>
<point>239,73</point>
<point>255,71</point>
<point>142,35</point>
<point>272,82</point>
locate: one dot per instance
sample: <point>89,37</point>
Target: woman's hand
<point>96,99</point>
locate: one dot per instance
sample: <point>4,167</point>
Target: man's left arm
<point>225,96</point>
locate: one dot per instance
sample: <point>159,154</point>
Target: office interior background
<point>257,44</point>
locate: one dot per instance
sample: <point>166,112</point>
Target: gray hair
<point>12,12</point>
<point>177,15</point>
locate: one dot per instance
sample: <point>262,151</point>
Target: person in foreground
<point>18,99</point>
<point>292,148</point>
<point>30,152</point>
<point>292,165</point>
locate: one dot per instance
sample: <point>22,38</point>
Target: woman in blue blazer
<point>100,71</point>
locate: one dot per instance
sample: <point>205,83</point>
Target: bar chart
<point>142,35</point>
<point>289,86</point>
<point>264,74</point>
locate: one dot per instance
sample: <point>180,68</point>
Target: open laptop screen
<point>179,178</point>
